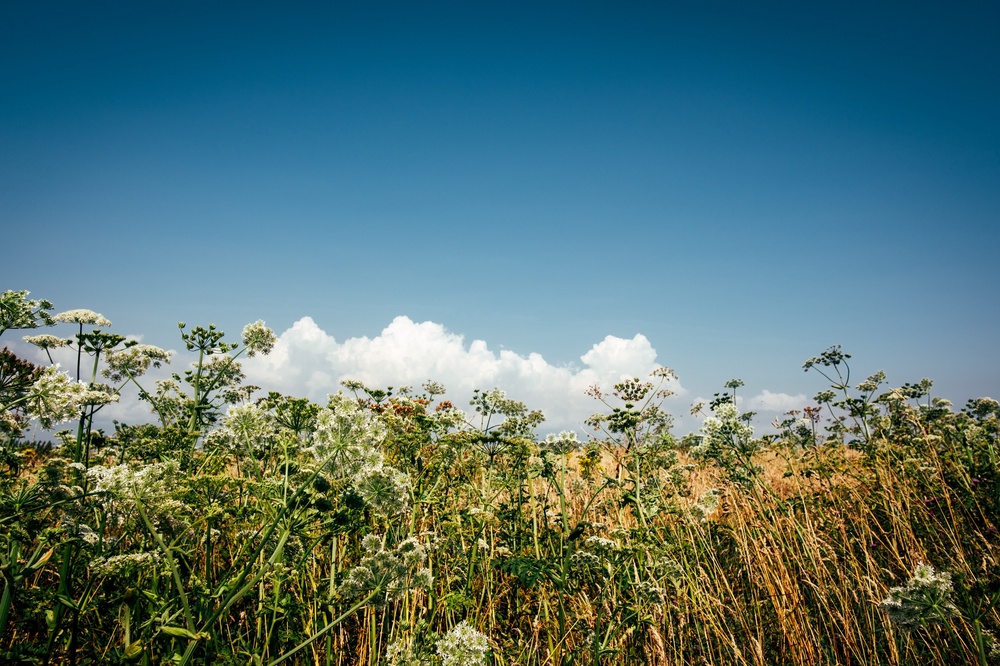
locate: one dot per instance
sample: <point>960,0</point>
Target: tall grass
<point>387,528</point>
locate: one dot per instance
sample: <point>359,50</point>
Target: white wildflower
<point>385,489</point>
<point>600,544</point>
<point>561,444</point>
<point>55,397</point>
<point>81,316</point>
<point>133,361</point>
<point>706,505</point>
<point>463,646</point>
<point>925,598</point>
<point>347,436</point>
<point>47,341</point>
<point>127,564</point>
<point>258,339</point>
<point>726,411</point>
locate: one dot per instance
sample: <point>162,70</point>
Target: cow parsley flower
<point>55,397</point>
<point>122,485</point>
<point>385,489</point>
<point>386,573</point>
<point>706,505</point>
<point>128,564</point>
<point>47,341</point>
<point>133,361</point>
<point>348,435</point>
<point>98,394</point>
<point>250,427</point>
<point>258,339</point>
<point>81,316</point>
<point>600,544</point>
<point>925,598</point>
<point>463,646</point>
<point>561,444</point>
<point>19,311</point>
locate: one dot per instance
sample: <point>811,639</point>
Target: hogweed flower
<point>384,574</point>
<point>385,489</point>
<point>434,388</point>
<point>561,444</point>
<point>128,564</point>
<point>55,397</point>
<point>96,395</point>
<point>81,316</point>
<point>706,505</point>
<point>124,485</point>
<point>47,341</point>
<point>258,339</point>
<point>463,646</point>
<point>19,311</point>
<point>133,361</point>
<point>926,598</point>
<point>248,426</point>
<point>347,436</point>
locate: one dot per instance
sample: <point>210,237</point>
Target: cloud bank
<point>307,362</point>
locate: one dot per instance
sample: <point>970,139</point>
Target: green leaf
<point>133,651</point>
<point>179,632</point>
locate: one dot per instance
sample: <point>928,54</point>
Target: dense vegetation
<point>391,527</point>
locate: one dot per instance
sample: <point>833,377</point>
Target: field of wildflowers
<point>391,527</point>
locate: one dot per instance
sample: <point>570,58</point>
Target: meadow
<point>391,526</point>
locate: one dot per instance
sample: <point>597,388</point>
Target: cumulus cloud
<point>766,401</point>
<point>308,362</point>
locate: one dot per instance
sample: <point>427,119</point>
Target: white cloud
<point>307,362</point>
<point>766,401</point>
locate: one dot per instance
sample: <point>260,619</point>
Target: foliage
<point>389,526</point>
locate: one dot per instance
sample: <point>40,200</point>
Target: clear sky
<point>741,184</point>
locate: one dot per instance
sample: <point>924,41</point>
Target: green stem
<point>322,632</point>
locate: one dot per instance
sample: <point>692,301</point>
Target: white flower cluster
<point>81,316</point>
<point>385,489</point>
<point>56,397</point>
<point>600,544</point>
<point>463,646</point>
<point>446,419</point>
<point>47,341</point>
<point>133,361</point>
<point>258,339</point>
<point>348,432</point>
<point>925,598</point>
<point>385,573</point>
<point>245,427</point>
<point>561,444</point>
<point>347,438</point>
<point>722,431</point>
<point>706,505</point>
<point>123,485</point>
<point>124,564</point>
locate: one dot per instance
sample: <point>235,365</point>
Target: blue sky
<point>743,184</point>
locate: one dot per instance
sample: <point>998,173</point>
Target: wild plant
<point>387,526</point>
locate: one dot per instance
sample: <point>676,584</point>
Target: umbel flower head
<point>133,362</point>
<point>258,339</point>
<point>19,311</point>
<point>386,574</point>
<point>561,444</point>
<point>926,598</point>
<point>47,341</point>
<point>81,316</point>
<point>55,397</point>
<point>463,646</point>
